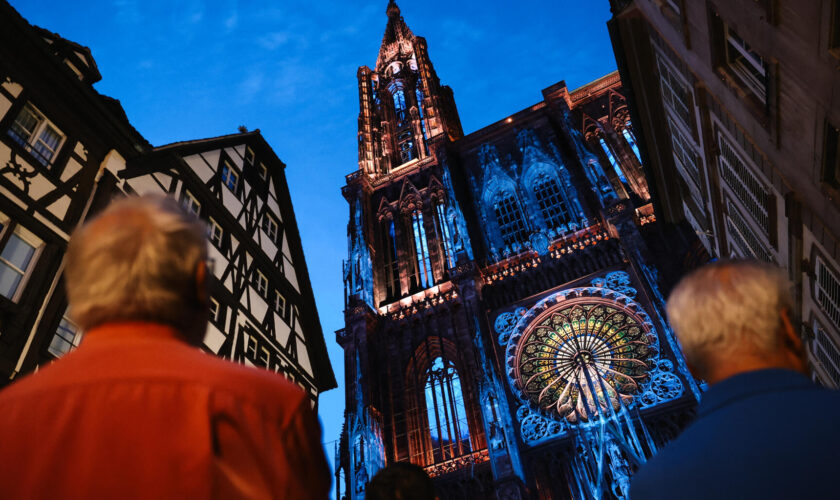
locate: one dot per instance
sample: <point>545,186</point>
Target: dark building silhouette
<point>66,151</point>
<point>503,320</point>
<point>736,101</point>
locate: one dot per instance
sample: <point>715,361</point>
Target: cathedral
<point>504,325</point>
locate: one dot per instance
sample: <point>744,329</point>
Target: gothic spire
<point>392,10</point>
<point>396,28</point>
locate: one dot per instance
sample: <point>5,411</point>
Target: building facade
<point>740,126</point>
<point>503,320</point>
<point>66,151</point>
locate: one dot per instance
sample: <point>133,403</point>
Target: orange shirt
<point>137,413</point>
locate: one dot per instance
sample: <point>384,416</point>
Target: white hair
<point>136,261</point>
<point>729,306</point>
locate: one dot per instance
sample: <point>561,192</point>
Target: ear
<point>201,282</point>
<point>789,335</point>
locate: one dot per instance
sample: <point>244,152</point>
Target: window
<point>740,233</point>
<point>280,304</point>
<point>399,106</point>
<point>616,167</point>
<point>215,310</point>
<point>827,353</point>
<point>230,177</point>
<point>675,94</point>
<point>684,154</point>
<point>17,260</point>
<point>830,171</point>
<point>406,146</point>
<point>191,203</point>
<point>421,250</point>
<point>746,65</point>
<point>444,236</point>
<point>265,356</point>
<point>263,171</point>
<point>745,186</point>
<point>447,415</point>
<point>392,267</point>
<point>509,218</point>
<point>251,348</point>
<point>550,200</point>
<point>261,283</point>
<point>631,141</point>
<point>834,36</point>
<point>269,226</point>
<point>249,156</point>
<point>419,94</point>
<point>35,133</point>
<point>214,232</point>
<point>66,338</point>
<point>828,291</point>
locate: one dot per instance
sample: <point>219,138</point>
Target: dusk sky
<point>191,69</point>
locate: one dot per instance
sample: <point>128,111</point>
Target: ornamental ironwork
<point>578,352</point>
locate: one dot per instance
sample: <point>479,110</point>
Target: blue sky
<point>189,69</point>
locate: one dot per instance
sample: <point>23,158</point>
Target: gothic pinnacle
<point>392,9</point>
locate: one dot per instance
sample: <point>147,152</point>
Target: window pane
<point>65,338</point>
<point>25,124</point>
<point>18,252</point>
<point>9,280</point>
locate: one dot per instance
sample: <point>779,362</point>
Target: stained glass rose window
<point>580,352</point>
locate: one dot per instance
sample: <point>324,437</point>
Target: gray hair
<point>136,261</point>
<point>729,306</point>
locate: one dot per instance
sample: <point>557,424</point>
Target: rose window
<point>581,352</point>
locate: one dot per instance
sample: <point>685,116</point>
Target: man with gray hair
<point>763,429</point>
<point>137,411</point>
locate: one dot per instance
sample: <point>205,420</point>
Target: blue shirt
<point>765,434</point>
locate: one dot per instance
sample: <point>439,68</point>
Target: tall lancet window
<point>421,248</point>
<point>444,236</point>
<point>612,160</point>
<point>509,218</point>
<point>419,94</point>
<point>448,426</point>
<point>399,105</point>
<point>392,268</point>
<point>631,141</point>
<point>551,202</point>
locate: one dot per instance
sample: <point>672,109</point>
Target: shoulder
<point>249,382</point>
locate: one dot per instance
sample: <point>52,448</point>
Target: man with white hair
<point>763,429</point>
<point>137,411</point>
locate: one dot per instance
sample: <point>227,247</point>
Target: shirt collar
<point>749,384</point>
<point>131,331</point>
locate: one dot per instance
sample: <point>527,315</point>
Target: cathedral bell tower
<point>402,106</point>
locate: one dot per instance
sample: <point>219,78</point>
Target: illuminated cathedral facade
<point>504,326</point>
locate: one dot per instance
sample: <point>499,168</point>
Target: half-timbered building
<point>262,307</point>
<point>66,151</point>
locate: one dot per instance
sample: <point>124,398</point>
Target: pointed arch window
<point>392,269</point>
<point>444,235</point>
<point>550,200</point>
<point>448,426</point>
<point>612,160</point>
<point>419,94</point>
<point>631,141</point>
<point>509,218</point>
<point>399,105</point>
<point>421,250</point>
